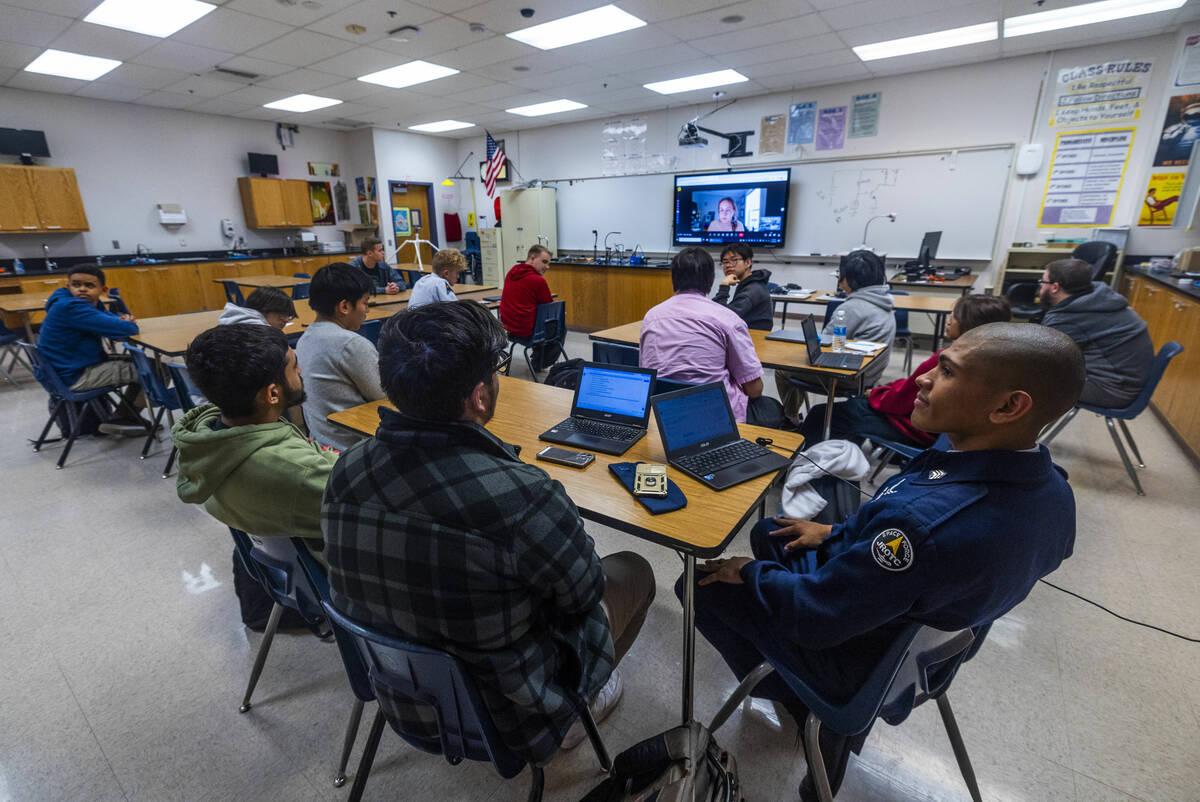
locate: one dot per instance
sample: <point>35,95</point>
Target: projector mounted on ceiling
<point>689,136</point>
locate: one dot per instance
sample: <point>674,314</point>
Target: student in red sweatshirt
<point>886,412</point>
<point>524,289</point>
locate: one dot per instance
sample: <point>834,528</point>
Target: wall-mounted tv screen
<point>263,163</point>
<point>717,208</point>
<point>23,142</point>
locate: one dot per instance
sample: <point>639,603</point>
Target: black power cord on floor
<point>766,441</point>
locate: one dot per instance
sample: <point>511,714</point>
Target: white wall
<point>128,158</point>
<point>401,156</point>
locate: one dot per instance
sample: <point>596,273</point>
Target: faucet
<point>50,263</point>
<point>607,249</point>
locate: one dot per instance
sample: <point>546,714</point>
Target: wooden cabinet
<point>40,200</point>
<point>1027,264</point>
<point>291,265</point>
<point>275,203</point>
<point>137,289</point>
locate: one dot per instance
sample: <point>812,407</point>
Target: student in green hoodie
<point>251,468</point>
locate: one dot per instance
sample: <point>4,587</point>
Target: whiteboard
<point>958,193</point>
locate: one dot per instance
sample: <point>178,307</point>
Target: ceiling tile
<point>5,74</point>
<point>785,31</point>
<point>494,93</point>
<point>850,16</point>
<point>99,40</point>
<point>30,27</point>
<point>220,105</point>
<point>45,83</point>
<point>234,31</point>
<point>824,43</point>
<point>301,80</point>
<point>203,87</point>
<point>357,61</point>
<point>817,77</point>
<point>438,36</point>
<point>183,57</point>
<point>256,66</point>
<point>350,90</point>
<point>537,61</point>
<point>504,16</point>
<point>103,91</point>
<point>447,6</point>
<point>660,10</point>
<point>142,76</point>
<point>942,20</point>
<point>255,95</point>
<point>755,13</point>
<point>451,84</point>
<point>585,75</point>
<point>800,64</point>
<point>297,15</point>
<point>259,113</point>
<point>375,17</point>
<point>167,100</point>
<point>63,8</point>
<point>480,54</point>
<point>967,54</point>
<point>17,56</point>
<point>641,40</point>
<point>666,72</point>
<point>301,48</point>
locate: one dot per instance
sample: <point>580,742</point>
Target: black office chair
<point>1100,255</point>
<point>1023,298</point>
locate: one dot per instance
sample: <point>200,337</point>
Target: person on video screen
<point>726,217</point>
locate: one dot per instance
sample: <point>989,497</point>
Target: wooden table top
<point>704,527</point>
<point>267,280</point>
<point>774,354</point>
<point>939,304</point>
<point>29,301</point>
<point>958,283</point>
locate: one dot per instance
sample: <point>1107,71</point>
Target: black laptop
<point>808,334</point>
<point>610,411</point>
<point>701,438</point>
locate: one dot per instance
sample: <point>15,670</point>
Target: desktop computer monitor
<point>929,247</point>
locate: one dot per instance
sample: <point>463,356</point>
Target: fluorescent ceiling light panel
<point>702,81</point>
<point>549,107</point>
<point>582,27</point>
<point>152,17</point>
<point>71,65</point>
<point>938,40</point>
<point>302,103</point>
<point>1087,14</point>
<point>410,74</point>
<point>440,126</point>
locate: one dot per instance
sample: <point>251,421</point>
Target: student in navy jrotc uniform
<point>955,540</point>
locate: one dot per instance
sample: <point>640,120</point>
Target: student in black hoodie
<point>752,298</point>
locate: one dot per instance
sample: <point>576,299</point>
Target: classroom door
<point>410,220</point>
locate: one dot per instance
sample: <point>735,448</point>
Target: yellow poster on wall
<point>1162,197</point>
<point>1086,172</point>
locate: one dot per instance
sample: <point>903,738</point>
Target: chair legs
<point>348,743</point>
<point>261,657</point>
<point>816,763</point>
<point>152,435</point>
<point>368,757</point>
<point>174,450</point>
<point>1116,438</point>
<point>1132,445</point>
<point>37,446</point>
<point>538,782</point>
<point>593,734</point>
<point>960,748</point>
<point>1058,426</point>
<point>744,689</point>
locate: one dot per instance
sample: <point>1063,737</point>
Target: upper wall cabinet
<point>275,203</point>
<point>40,200</point>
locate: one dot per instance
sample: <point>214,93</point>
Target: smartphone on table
<point>565,456</point>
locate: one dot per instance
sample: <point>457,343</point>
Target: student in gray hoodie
<point>268,306</point>
<point>870,315</point>
<point>751,295</point>
<point>1114,340</point>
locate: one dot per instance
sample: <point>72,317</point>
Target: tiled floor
<point>123,658</point>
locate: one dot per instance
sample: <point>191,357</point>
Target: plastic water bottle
<point>839,330</point>
<point>18,266</point>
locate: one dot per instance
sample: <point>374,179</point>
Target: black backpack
<point>660,769</point>
<point>565,374</point>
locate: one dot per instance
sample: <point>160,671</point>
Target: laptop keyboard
<point>598,429</point>
<point>721,458</point>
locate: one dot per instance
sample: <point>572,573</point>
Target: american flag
<point>495,163</point>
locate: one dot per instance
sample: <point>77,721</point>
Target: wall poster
<point>802,123</point>
<point>1162,198</point>
<point>401,221</point>
<point>1086,172</point>
<point>772,133</point>
<point>1180,131</point>
<point>1097,94</point>
<point>831,128</point>
<point>1188,73</point>
<point>864,114</point>
<point>320,197</point>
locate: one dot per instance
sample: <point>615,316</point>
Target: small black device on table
<point>565,456</point>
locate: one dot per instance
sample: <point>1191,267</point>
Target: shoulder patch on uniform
<point>937,473</point>
<point>892,550</point>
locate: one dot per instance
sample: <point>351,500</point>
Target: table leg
<point>689,635</point>
<point>939,323</point>
<point>829,405</point>
<point>783,325</point>
<point>29,338</point>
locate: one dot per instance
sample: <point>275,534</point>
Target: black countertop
<point>37,267</point>
<point>1169,280</point>
<point>655,264</point>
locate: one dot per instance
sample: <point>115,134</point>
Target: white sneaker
<point>604,703</point>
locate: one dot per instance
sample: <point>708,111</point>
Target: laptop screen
<point>811,339</point>
<point>694,417</point>
<point>613,391</point>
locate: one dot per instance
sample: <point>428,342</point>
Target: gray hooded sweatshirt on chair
<point>870,315</point>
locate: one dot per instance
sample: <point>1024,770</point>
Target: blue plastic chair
<point>300,291</point>
<point>157,395</point>
<point>185,390</point>
<point>397,668</point>
<point>1117,417</point>
<point>549,326</point>
<point>907,451</point>
<point>116,304</point>
<point>73,403</point>
<point>474,255</point>
<point>10,350</point>
<point>371,329</point>
<point>233,293</point>
<point>664,385</point>
<point>919,666</point>
<point>615,354</point>
<point>903,333</point>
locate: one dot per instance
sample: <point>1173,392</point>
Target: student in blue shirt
<point>436,285</point>
<point>955,540</point>
<point>383,276</point>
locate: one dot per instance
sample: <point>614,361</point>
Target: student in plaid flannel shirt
<point>436,531</point>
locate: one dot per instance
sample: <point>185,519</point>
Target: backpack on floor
<point>543,355</point>
<point>565,374</point>
<point>659,769</point>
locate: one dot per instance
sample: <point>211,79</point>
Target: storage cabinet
<point>275,203</point>
<point>530,218</point>
<point>40,200</point>
<point>1027,264</point>
<point>491,250</point>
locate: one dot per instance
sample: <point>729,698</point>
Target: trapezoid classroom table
<point>266,280</point>
<point>25,304</point>
<point>774,354</point>
<point>938,306</point>
<point>960,284</point>
<point>703,528</point>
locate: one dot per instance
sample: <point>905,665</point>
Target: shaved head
<point>1038,360</point>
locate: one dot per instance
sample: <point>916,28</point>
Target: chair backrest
<point>615,354</point>
<point>1100,255</point>
<point>411,276</point>
<point>370,330</point>
<point>233,293</point>
<point>300,291</point>
<point>1165,354</point>
<point>550,322</point>
<point>665,385</point>
<point>405,671</point>
<point>185,390</point>
<point>901,317</point>
<point>152,383</point>
<point>116,304</point>
<point>471,239</point>
<point>273,564</point>
<point>46,375</point>
<point>831,307</point>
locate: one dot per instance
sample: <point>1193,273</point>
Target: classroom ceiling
<point>303,46</point>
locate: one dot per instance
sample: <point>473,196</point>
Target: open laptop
<point>701,438</point>
<point>808,334</point>
<point>610,411</point>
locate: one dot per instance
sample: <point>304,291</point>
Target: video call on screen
<point>722,208</point>
<point>615,391</point>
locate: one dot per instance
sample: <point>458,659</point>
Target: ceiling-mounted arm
<point>689,136</point>
<point>736,142</point>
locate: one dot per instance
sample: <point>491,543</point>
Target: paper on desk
<point>799,293</point>
<point>864,346</point>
